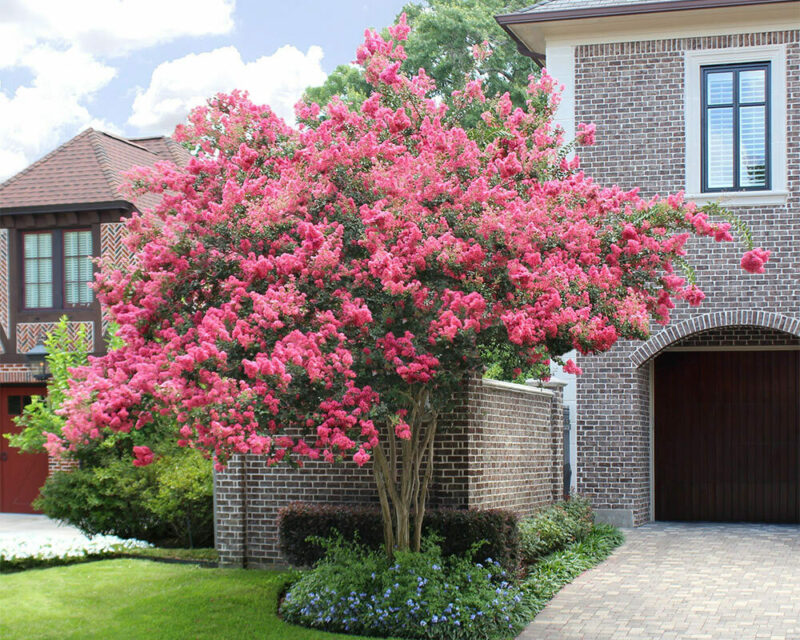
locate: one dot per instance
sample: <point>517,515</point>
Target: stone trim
<point>729,318</point>
<point>513,386</point>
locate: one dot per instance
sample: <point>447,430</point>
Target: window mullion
<point>58,269</point>
<point>737,158</point>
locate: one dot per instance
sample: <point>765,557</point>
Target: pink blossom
<point>361,457</point>
<point>571,367</point>
<point>586,133</point>
<point>753,261</point>
<point>143,456</point>
<point>402,430</point>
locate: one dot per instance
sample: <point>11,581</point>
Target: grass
<point>131,598</point>
<point>127,598</point>
<point>160,553</point>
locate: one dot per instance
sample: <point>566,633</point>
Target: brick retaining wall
<point>500,447</point>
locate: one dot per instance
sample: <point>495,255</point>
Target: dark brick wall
<point>500,446</point>
<point>634,92</point>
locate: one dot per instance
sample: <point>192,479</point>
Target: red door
<point>21,474</point>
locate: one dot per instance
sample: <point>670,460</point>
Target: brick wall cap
<point>513,386</point>
<point>552,383</point>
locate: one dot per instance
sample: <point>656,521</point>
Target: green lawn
<point>159,553</point>
<point>128,598</point>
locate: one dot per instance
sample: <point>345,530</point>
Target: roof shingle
<point>566,5</point>
<point>87,169</point>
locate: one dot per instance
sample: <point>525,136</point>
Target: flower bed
<point>23,552</point>
<point>426,595</point>
<point>415,595</point>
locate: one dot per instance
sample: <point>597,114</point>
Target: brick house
<point>55,216</point>
<point>701,421</point>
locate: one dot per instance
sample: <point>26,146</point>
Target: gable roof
<point>87,171</point>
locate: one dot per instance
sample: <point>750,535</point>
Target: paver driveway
<point>712,581</point>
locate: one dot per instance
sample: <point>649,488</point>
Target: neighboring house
<point>701,421</point>
<point>55,217</point>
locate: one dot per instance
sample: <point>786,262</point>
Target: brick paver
<point>676,581</point>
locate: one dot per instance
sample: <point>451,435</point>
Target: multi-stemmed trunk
<point>403,469</point>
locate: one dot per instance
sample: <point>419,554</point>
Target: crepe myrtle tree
<point>320,292</point>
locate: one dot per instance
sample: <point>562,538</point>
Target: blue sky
<point>135,67</point>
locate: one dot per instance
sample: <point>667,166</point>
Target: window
<point>57,269</point>
<point>724,161</point>
<point>38,270</point>
<point>736,124</point>
<point>77,268</point>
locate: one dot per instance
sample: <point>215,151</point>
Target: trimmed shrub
<point>459,531</point>
<point>414,595</point>
<point>555,528</point>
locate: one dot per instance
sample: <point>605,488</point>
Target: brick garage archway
<point>717,320</point>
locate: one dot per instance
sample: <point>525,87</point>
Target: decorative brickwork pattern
<point>634,92</point>
<point>112,245</point>
<point>113,251</point>
<point>499,447</point>
<point>5,299</point>
<point>29,333</point>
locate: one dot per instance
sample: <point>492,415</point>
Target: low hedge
<point>458,529</point>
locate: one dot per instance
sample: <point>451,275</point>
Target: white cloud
<point>108,27</point>
<point>65,45</point>
<point>178,85</point>
<point>39,116</point>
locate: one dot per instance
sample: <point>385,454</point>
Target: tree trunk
<point>403,469</point>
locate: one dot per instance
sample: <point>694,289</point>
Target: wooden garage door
<point>727,436</point>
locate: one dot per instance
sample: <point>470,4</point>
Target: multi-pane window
<point>736,122</point>
<point>57,269</point>
<point>77,268</point>
<point>38,251</point>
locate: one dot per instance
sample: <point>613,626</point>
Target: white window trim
<point>774,54</point>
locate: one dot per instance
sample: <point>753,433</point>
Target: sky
<point>135,67</point>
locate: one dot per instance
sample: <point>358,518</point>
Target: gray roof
<point>545,6</point>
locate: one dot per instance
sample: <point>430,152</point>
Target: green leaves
<point>66,348</point>
<point>443,33</point>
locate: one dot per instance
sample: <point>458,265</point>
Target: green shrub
<point>555,528</point>
<point>183,498</point>
<point>168,503</point>
<point>415,595</point>
<point>459,531</point>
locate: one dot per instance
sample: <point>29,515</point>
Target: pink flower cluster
<point>295,287</point>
